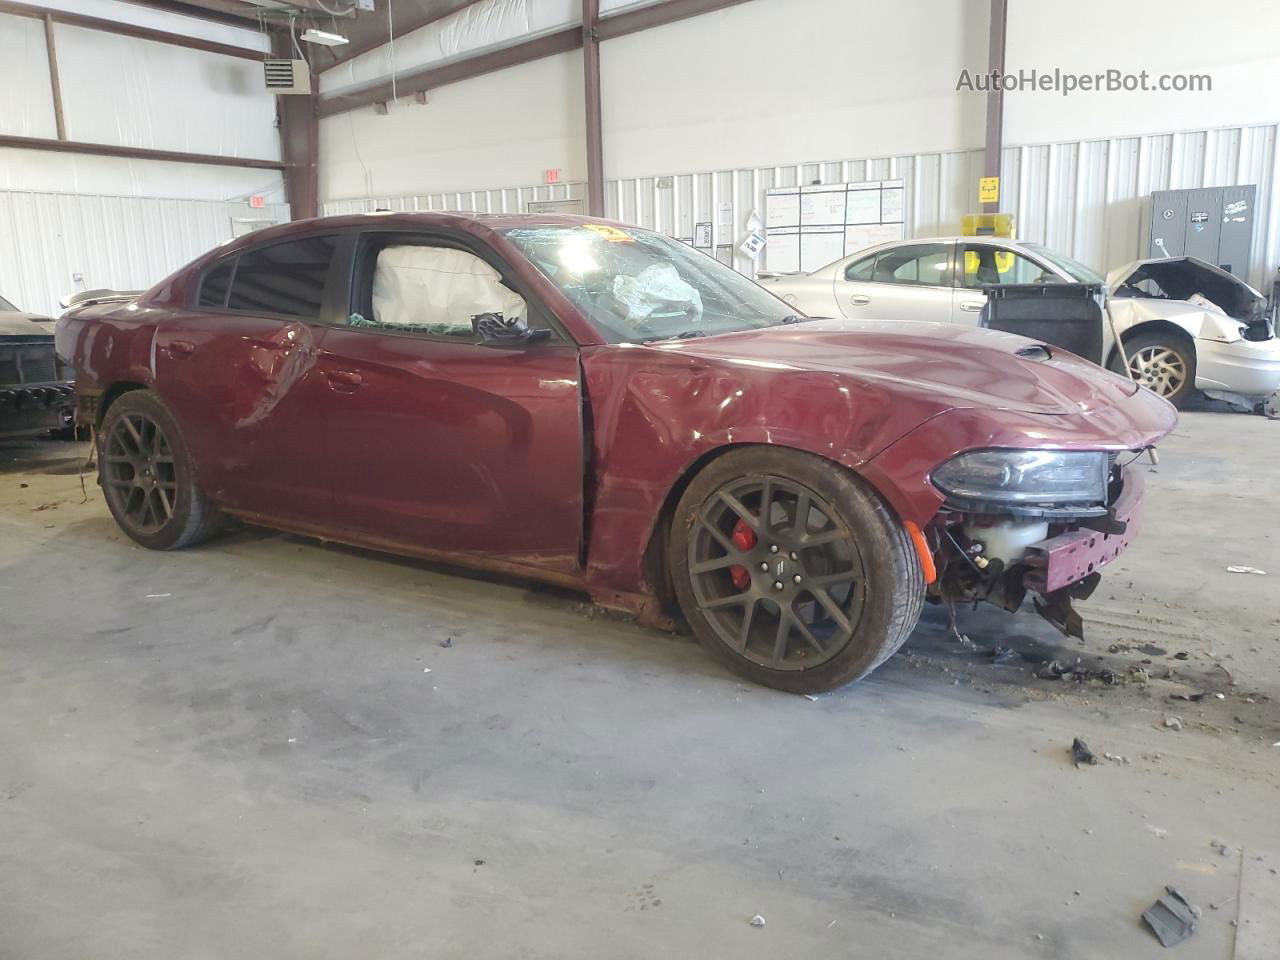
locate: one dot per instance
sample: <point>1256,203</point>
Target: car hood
<point>1184,277</point>
<point>25,325</point>
<point>956,366</point>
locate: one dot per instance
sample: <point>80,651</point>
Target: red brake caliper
<point>744,538</point>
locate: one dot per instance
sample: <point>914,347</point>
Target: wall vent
<point>287,76</point>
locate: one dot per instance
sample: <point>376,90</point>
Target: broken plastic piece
<point>1172,918</point>
<point>1254,570</point>
<point>757,921</point>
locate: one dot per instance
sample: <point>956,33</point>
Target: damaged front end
<point>1039,521</point>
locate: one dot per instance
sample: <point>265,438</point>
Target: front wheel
<point>791,571</point>
<point>147,475</point>
<point>1163,363</point>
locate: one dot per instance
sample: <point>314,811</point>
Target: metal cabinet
<point>1214,224</point>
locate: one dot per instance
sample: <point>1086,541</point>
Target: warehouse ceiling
<point>364,29</point>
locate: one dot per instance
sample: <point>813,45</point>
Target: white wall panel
<point>140,93</point>
<point>1086,198</point>
<point>505,127</point>
<point>115,242</point>
<point>26,106</point>
<point>46,172</point>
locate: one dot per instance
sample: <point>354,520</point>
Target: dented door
<point>244,391</point>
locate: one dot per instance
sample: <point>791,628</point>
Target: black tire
<point>880,600</point>
<point>154,498</point>
<point>1156,359</point>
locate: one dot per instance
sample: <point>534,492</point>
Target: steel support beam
<point>561,41</point>
<point>230,13</point>
<point>300,145</point>
<point>428,78</point>
<point>136,153</point>
<point>995,96</point>
<point>129,30</point>
<point>55,85</point>
<point>591,96</point>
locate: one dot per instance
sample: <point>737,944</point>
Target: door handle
<point>344,381</point>
<point>181,348</point>
<point>971,306</point>
<point>859,299</point>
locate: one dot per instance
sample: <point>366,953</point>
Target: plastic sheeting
<point>140,93</point>
<point>26,108</point>
<point>481,26</point>
<point>438,290</point>
<point>53,244</point>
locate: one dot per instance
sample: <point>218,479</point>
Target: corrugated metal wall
<point>1089,199</point>
<point>122,243</point>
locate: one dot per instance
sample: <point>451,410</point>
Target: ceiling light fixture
<point>324,39</point>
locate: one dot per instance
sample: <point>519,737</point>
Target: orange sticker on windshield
<point>612,234</point>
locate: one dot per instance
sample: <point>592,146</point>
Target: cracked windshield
<point>637,286</point>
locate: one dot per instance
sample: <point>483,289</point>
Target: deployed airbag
<point>438,289</point>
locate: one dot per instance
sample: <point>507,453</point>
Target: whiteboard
<point>782,209</point>
<point>782,255</point>
<point>820,247</point>
<point>863,206</point>
<point>891,204</point>
<point>826,208</point>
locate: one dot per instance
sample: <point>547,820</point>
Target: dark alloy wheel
<point>147,475</point>
<point>792,571</point>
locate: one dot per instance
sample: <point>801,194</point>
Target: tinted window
<point>284,279</point>
<point>922,264</point>
<point>213,288</point>
<point>860,270</point>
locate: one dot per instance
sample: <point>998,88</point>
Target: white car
<point>1185,324</point>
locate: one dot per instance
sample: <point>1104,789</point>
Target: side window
<point>284,279</point>
<point>920,264</point>
<point>860,270</point>
<point>986,266</point>
<point>407,287</point>
<point>215,284</point>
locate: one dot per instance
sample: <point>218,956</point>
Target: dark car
<point>36,393</point>
<point>605,408</point>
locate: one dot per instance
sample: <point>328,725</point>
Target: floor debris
<point>1173,723</point>
<point>1254,570</point>
<point>1172,918</point>
<point>1081,753</point>
<point>447,642</point>
<point>757,921</point>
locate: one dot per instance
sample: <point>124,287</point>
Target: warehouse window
<point>284,279</point>
<point>216,282</point>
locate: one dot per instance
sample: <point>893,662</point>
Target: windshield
<point>6,305</point>
<point>1073,268</point>
<point>636,285</point>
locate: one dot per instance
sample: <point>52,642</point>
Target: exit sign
<point>551,176</point>
<point>257,201</point>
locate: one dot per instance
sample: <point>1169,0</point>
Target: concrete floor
<point>260,748</point>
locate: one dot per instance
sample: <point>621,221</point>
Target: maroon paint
<point>475,453</point>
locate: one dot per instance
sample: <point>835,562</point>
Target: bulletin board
<point>808,227</point>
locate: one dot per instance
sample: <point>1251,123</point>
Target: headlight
<point>1013,477</point>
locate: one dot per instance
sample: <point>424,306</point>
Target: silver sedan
<point>1185,324</point>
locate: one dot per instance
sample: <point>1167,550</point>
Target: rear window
<point>284,279</point>
<point>216,282</point>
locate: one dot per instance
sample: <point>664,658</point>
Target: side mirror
<point>494,328</point>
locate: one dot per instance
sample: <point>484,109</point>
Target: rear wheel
<point>147,475</point>
<point>791,571</point>
<point>1163,363</point>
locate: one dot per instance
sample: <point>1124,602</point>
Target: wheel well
<point>1154,326</point>
<point>114,393</point>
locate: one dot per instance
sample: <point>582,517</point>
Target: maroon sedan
<point>603,407</point>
